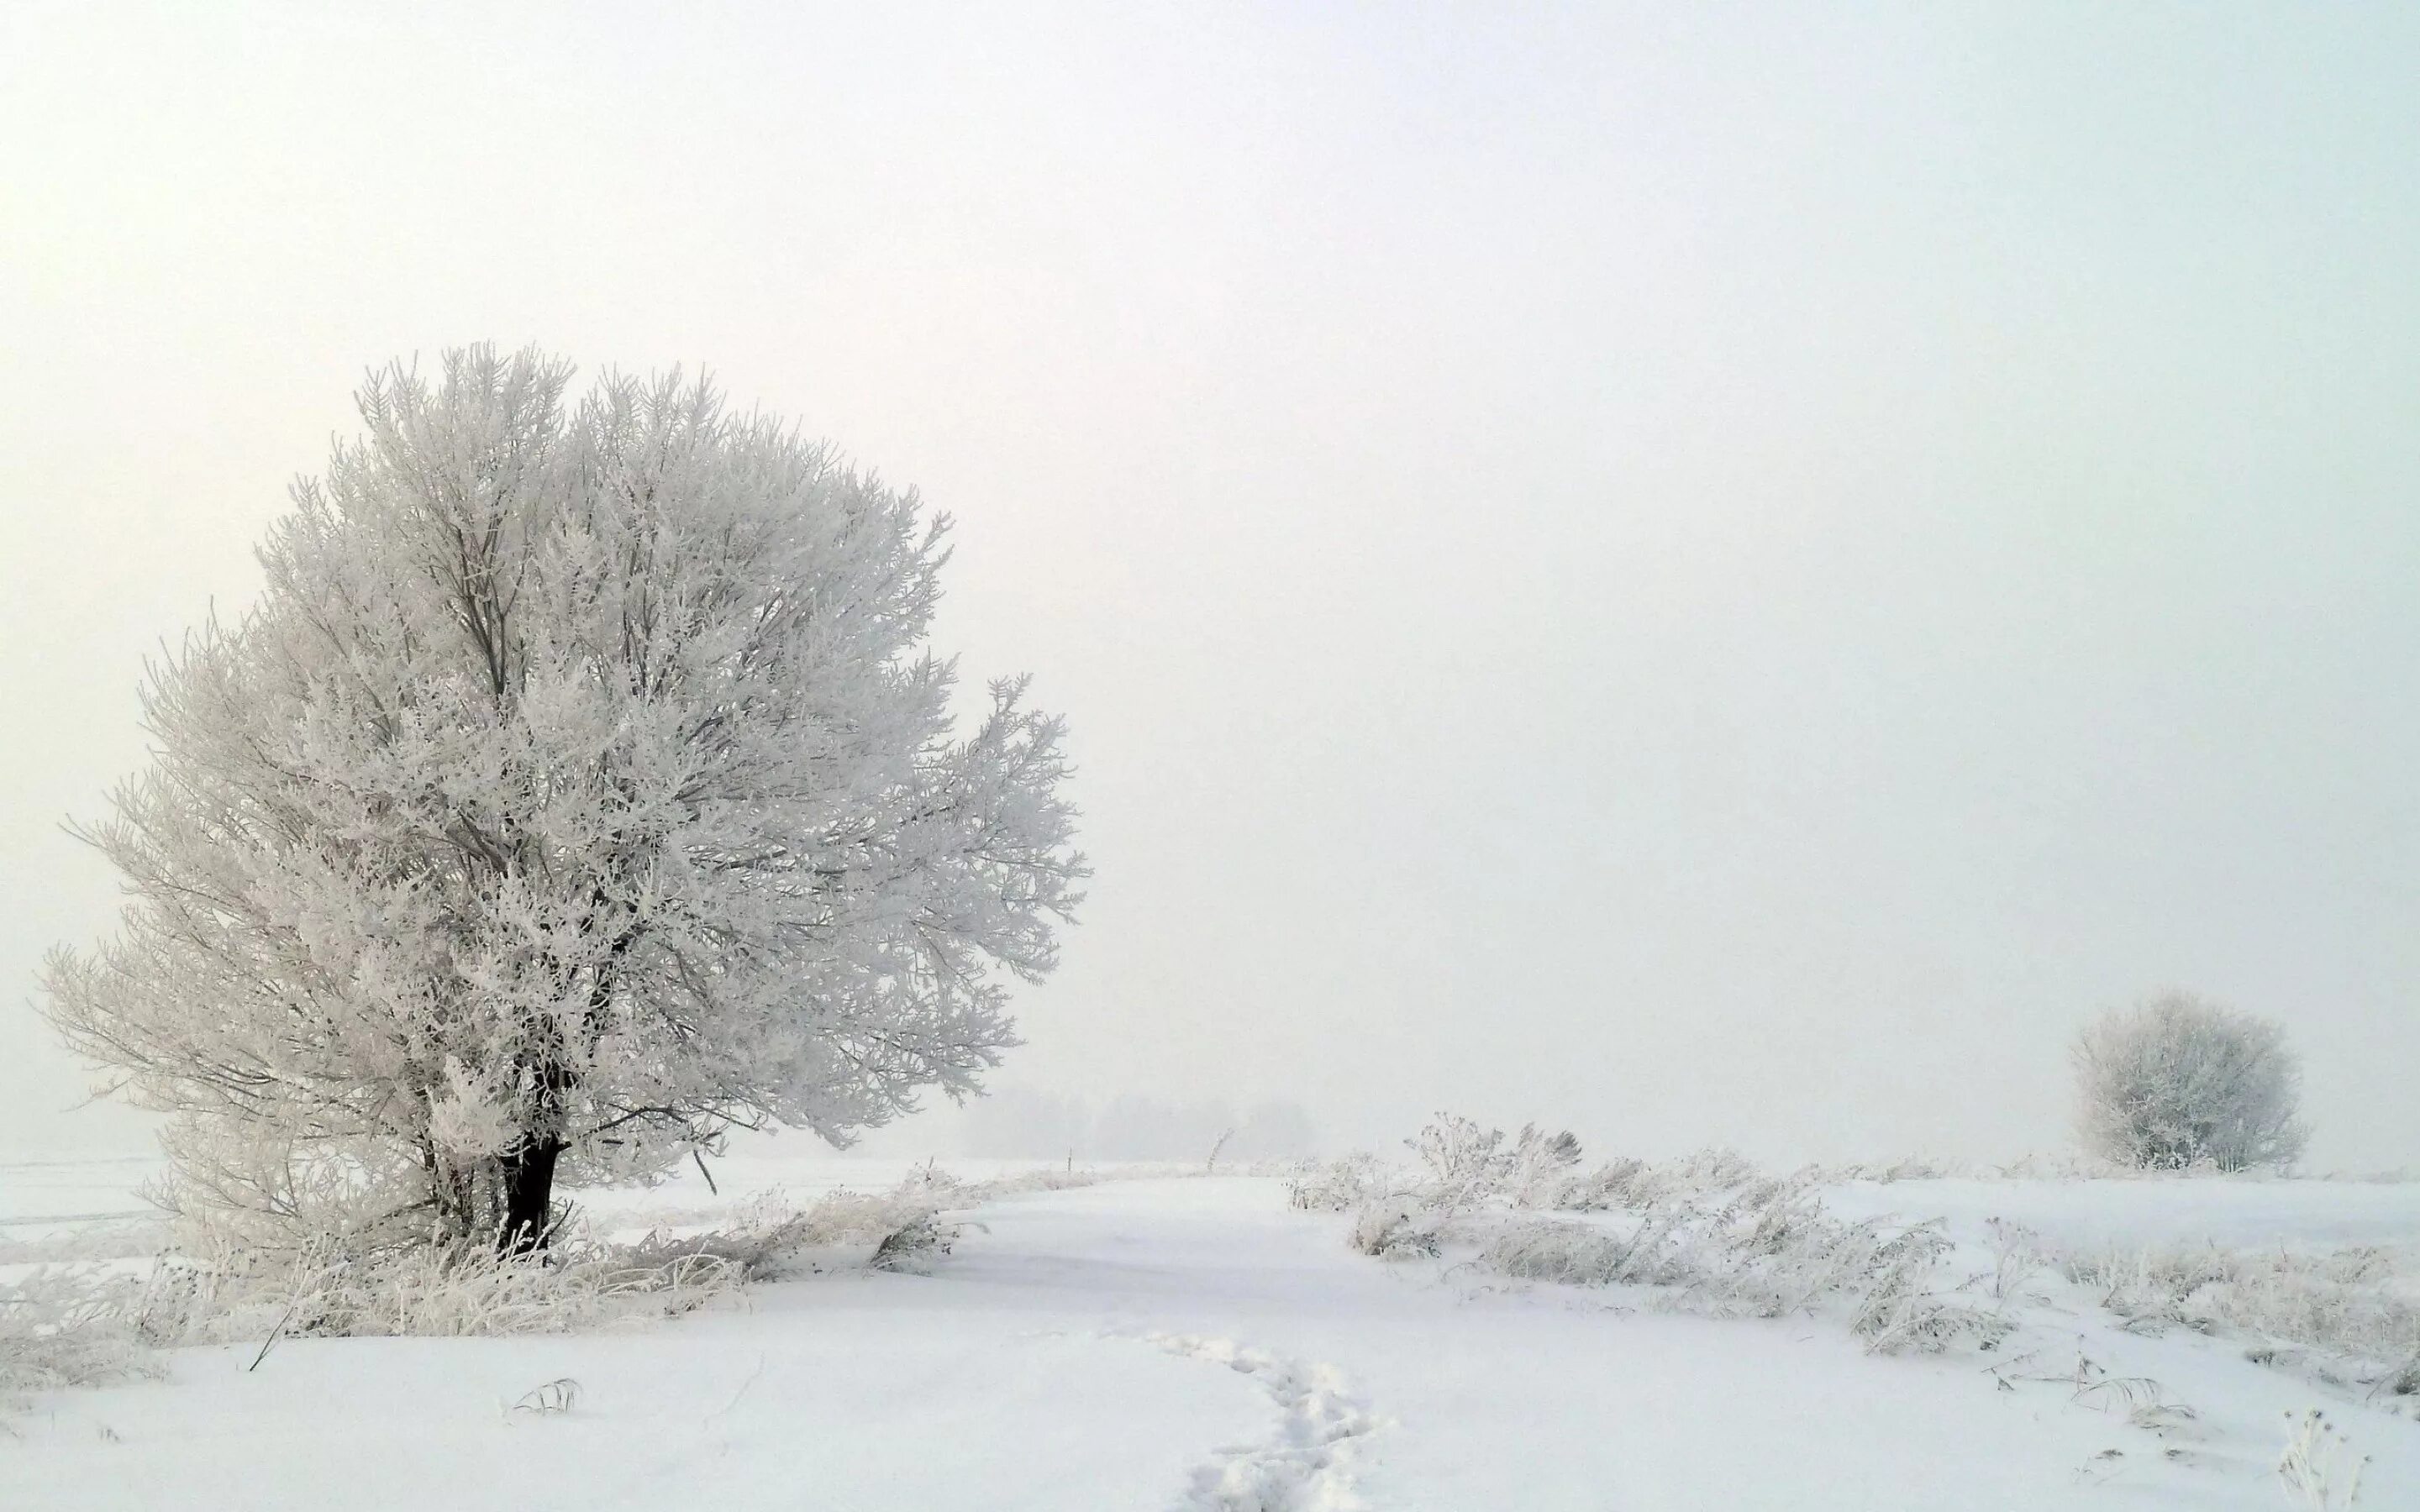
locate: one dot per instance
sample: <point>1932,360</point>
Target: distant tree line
<point>1017,1124</point>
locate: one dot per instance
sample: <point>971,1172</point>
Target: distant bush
<point>2177,1082</point>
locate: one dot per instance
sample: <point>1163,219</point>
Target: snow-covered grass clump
<point>1708,1233</point>
<point>2319,1470</point>
<point>2347,1317</point>
<point>61,1328</point>
<point>97,1322</point>
<point>2317,1278</point>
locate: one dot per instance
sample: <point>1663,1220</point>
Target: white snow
<point>1192,1343</point>
<point>2229,1211</point>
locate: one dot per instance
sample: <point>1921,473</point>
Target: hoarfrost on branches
<point>2176,1081</point>
<point>578,789</point>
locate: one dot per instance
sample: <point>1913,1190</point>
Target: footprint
<point>1307,1464</point>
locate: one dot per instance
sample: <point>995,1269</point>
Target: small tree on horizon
<point>577,790</point>
<point>2176,1081</point>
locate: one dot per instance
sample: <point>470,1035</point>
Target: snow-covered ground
<point>1184,1343</point>
<point>2228,1211</point>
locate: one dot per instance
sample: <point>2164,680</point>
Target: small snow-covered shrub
<point>1538,1164</point>
<point>1336,1185</point>
<point>2018,1254</point>
<point>1713,1168</point>
<point>1466,1165</point>
<point>1709,1232</point>
<point>61,1327</point>
<point>2317,1467</point>
<point>2347,1317</point>
<point>1900,1311</point>
<point>235,1296</point>
<point>2176,1081</point>
<point>1769,1259</point>
<point>900,1230</point>
<point>1577,1255</point>
<point>216,1292</point>
<point>1626,1183</point>
<point>1629,1183</point>
<point>914,1245</point>
<point>1461,1164</point>
<point>1393,1229</point>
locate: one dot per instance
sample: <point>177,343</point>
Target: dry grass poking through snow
<point>2319,1470</point>
<point>84,1324</point>
<point>1708,1234</point>
<point>2346,1318</point>
<point>66,1328</point>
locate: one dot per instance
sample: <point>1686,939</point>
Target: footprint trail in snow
<point>1307,1464</point>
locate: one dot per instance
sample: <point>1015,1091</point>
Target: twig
<point>274,1334</point>
<point>699,1156</point>
<point>560,1394</point>
<point>741,1392</point>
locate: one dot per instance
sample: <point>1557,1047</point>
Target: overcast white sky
<point>1700,573</point>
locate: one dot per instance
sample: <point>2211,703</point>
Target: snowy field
<point>1189,1342</point>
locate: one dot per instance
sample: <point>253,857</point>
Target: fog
<point>1700,576</point>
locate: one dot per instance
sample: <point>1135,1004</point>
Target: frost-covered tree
<point>578,789</point>
<point>2176,1081</point>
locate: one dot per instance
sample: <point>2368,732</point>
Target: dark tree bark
<point>529,1194</point>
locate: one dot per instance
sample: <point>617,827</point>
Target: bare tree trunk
<point>529,1194</point>
<point>528,1172</point>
